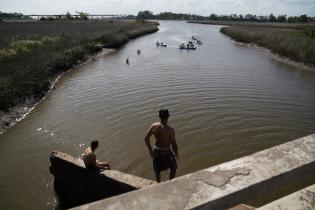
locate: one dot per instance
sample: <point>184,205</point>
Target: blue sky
<point>202,7</point>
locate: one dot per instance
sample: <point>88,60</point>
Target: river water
<point>226,100</point>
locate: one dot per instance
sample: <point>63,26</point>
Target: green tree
<point>292,19</point>
<point>272,18</point>
<point>213,17</point>
<point>250,17</point>
<point>303,19</point>
<point>145,15</point>
<point>83,16</point>
<point>282,18</point>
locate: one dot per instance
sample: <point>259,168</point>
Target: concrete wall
<point>224,185</point>
<point>300,200</point>
<point>75,185</point>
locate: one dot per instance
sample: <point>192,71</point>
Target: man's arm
<point>147,140</point>
<point>174,144</point>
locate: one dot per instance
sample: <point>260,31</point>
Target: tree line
<point>180,16</point>
<point>67,16</point>
<point>232,17</point>
<point>14,15</point>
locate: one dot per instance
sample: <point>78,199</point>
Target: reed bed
<point>33,52</point>
<point>295,44</point>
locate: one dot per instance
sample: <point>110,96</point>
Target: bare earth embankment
<point>32,54</point>
<point>293,41</point>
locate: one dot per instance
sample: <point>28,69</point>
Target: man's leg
<point>172,173</point>
<point>172,166</point>
<point>158,176</point>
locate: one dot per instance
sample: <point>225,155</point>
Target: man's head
<point>164,114</point>
<point>94,145</point>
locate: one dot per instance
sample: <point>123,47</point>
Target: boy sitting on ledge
<point>90,160</point>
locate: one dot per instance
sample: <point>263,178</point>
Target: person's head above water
<point>94,145</point>
<point>164,114</point>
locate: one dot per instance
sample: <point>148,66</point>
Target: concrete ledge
<point>75,185</point>
<point>302,199</point>
<point>224,185</point>
<point>242,207</point>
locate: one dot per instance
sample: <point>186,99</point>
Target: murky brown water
<point>226,101</point>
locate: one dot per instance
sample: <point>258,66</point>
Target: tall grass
<point>31,53</point>
<point>19,47</point>
<point>297,45</point>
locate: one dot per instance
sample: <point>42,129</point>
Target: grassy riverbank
<point>295,41</point>
<point>296,44</point>
<point>31,53</point>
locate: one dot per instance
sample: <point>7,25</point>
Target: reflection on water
<point>226,101</point>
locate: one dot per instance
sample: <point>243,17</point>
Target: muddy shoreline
<point>20,111</point>
<point>278,57</point>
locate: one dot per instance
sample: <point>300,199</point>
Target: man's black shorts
<point>163,160</point>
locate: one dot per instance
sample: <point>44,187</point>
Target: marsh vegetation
<point>295,43</point>
<point>33,52</point>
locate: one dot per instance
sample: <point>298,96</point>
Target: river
<point>226,100</point>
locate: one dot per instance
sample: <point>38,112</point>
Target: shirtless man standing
<point>163,157</point>
<point>90,160</point>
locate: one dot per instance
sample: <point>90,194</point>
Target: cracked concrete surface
<point>224,185</point>
<point>219,178</point>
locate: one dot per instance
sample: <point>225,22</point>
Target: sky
<point>200,7</point>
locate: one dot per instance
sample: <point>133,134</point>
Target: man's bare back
<point>90,160</point>
<point>163,134</point>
